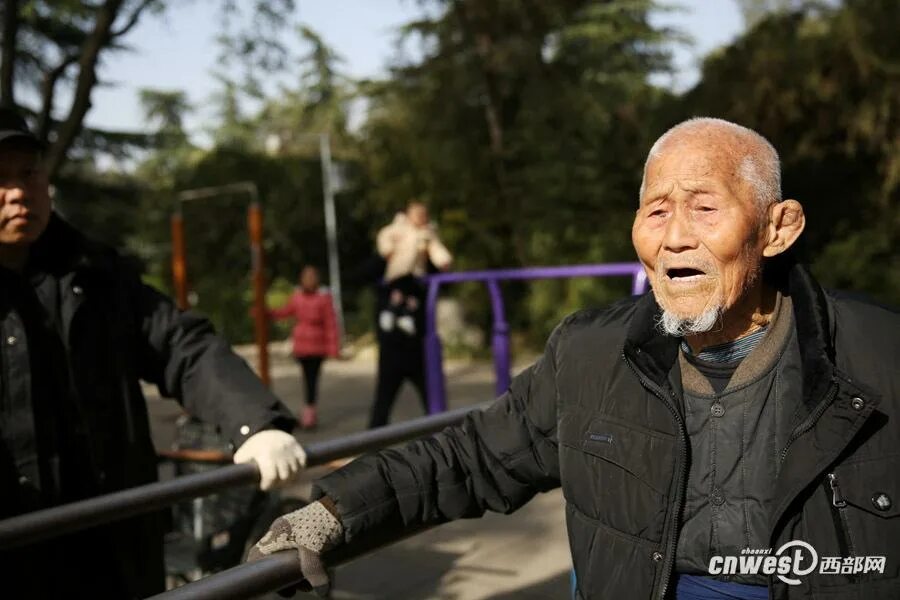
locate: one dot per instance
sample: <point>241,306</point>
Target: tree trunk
<point>87,79</point>
<point>8,67</point>
<point>476,28</point>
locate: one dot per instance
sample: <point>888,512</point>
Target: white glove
<point>278,455</point>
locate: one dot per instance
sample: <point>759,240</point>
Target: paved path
<point>498,557</point>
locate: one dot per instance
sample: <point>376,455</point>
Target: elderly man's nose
<point>679,233</point>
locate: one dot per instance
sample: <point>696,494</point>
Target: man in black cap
<point>78,330</point>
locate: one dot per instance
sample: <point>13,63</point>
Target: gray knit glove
<point>309,531</point>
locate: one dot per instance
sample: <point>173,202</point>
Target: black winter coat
<point>116,331</point>
<point>599,414</point>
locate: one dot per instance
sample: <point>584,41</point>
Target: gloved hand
<point>278,455</point>
<point>309,531</point>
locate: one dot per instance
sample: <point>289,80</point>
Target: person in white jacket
<point>411,248</point>
<point>409,242</point>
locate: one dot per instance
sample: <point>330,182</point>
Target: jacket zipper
<point>840,504</point>
<point>681,481</point>
<point>801,429</point>
<point>809,421</point>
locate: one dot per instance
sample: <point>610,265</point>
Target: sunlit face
<point>418,214</point>
<point>309,279</point>
<point>24,197</point>
<point>697,231</point>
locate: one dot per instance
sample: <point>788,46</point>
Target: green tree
<point>54,49</point>
<point>48,46</point>
<point>166,109</point>
<point>755,11</point>
<point>319,103</point>
<point>521,126</point>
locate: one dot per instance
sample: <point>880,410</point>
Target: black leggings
<point>310,366</point>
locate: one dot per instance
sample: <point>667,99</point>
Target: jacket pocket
<point>609,564</point>
<point>865,504</point>
<point>617,472</point>
<point>872,486</point>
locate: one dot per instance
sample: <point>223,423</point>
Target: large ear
<point>786,222</point>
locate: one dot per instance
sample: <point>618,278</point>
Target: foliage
<point>51,47</point>
<point>518,127</point>
<point>52,50</point>
<point>523,124</point>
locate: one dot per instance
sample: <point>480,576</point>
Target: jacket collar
<point>62,250</point>
<point>655,354</point>
<point>652,352</point>
<point>811,318</point>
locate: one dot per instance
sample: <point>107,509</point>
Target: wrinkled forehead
<point>691,165</point>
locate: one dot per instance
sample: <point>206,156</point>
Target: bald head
<point>738,149</point>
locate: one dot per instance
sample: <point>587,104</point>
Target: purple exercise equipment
<point>434,372</point>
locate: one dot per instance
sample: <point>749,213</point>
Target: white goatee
<point>672,324</point>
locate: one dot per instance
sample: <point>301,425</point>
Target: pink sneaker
<point>309,419</point>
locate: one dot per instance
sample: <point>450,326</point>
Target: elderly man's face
<point>697,231</point>
<point>24,196</point>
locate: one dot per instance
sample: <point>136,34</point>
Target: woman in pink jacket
<point>315,334</point>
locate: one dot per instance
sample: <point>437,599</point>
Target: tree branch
<point>483,43</point>
<point>133,19</point>
<point>87,79</point>
<point>474,17</point>
<point>8,66</point>
<point>48,91</point>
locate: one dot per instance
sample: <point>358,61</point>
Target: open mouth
<point>684,273</point>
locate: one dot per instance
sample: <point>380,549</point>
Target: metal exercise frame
<point>434,371</point>
<point>257,259</point>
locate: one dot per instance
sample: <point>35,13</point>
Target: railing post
<point>435,385</point>
<point>500,342</point>
<point>639,282</point>
<point>179,266</point>
<point>260,321</point>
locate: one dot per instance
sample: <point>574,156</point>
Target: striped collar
<point>729,351</point>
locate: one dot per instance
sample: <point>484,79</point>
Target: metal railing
<point>76,516</point>
<point>273,572</point>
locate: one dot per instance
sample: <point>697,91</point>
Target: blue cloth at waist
<point>698,587</point>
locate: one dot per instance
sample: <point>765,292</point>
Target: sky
<point>177,50</point>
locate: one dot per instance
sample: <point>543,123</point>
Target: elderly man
<point>709,437</point>
<point>78,330</point>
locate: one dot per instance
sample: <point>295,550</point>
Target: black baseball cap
<point>14,127</point>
